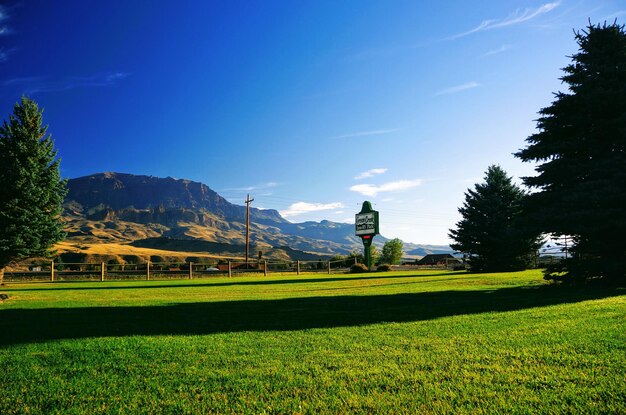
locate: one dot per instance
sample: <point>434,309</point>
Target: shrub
<point>358,268</point>
<point>383,267</point>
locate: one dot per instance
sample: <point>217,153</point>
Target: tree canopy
<point>31,189</point>
<point>580,145</point>
<point>392,252</point>
<point>490,232</point>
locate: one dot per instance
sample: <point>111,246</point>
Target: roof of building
<point>432,259</point>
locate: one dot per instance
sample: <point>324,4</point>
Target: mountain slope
<point>121,191</point>
<point>125,208</point>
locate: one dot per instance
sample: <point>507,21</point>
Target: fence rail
<point>55,272</point>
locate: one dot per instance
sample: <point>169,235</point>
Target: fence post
<point>102,271</point>
<point>329,266</point>
<point>298,267</point>
<point>230,269</point>
<point>191,270</point>
<point>148,270</point>
<point>265,268</point>
<point>52,271</point>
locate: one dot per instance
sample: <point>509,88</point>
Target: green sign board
<point>366,223</point>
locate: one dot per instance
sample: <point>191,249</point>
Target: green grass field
<point>405,342</point>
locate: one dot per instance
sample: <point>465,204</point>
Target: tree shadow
<point>18,326</point>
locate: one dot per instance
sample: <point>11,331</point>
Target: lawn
<point>404,342</point>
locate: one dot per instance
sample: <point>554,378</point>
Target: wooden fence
<point>56,272</point>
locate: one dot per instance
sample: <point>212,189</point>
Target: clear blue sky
<point>312,107</point>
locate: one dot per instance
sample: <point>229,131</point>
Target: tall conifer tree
<point>31,189</point>
<point>580,144</point>
<point>490,232</point>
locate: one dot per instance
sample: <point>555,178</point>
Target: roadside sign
<point>366,224</point>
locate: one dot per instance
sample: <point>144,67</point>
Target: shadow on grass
<point>58,285</point>
<point>37,325</point>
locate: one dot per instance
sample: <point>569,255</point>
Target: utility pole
<point>248,201</point>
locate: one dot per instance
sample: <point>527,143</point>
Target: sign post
<point>366,222</point>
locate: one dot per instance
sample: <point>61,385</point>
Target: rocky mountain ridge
<point>126,208</point>
<point>118,191</point>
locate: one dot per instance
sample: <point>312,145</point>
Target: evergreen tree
<point>31,189</point>
<point>580,144</point>
<point>392,252</point>
<point>490,232</point>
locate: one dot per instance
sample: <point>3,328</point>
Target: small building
<point>437,259</point>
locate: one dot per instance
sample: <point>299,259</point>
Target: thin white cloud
<point>23,80</point>
<point>517,17</point>
<point>301,208</point>
<point>4,29</point>
<point>501,49</point>
<point>366,133</point>
<point>369,173</point>
<point>4,54</point>
<point>34,84</point>
<point>458,88</point>
<point>373,190</point>
<point>102,79</point>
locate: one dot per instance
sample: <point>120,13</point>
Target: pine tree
<point>31,189</point>
<point>490,232</point>
<point>580,144</point>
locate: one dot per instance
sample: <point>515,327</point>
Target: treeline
<point>579,191</point>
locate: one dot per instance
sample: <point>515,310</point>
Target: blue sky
<point>311,107</point>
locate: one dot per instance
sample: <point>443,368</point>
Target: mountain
<point>119,191</point>
<point>423,250</point>
<point>182,215</point>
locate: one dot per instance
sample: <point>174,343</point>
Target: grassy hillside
<point>173,250</point>
<point>225,239</point>
<point>85,252</point>
<point>434,342</point>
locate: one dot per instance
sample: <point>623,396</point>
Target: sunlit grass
<point>118,249</point>
<point>433,342</point>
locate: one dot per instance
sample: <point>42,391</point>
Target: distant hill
<point>183,215</point>
<point>424,250</point>
<point>119,191</point>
